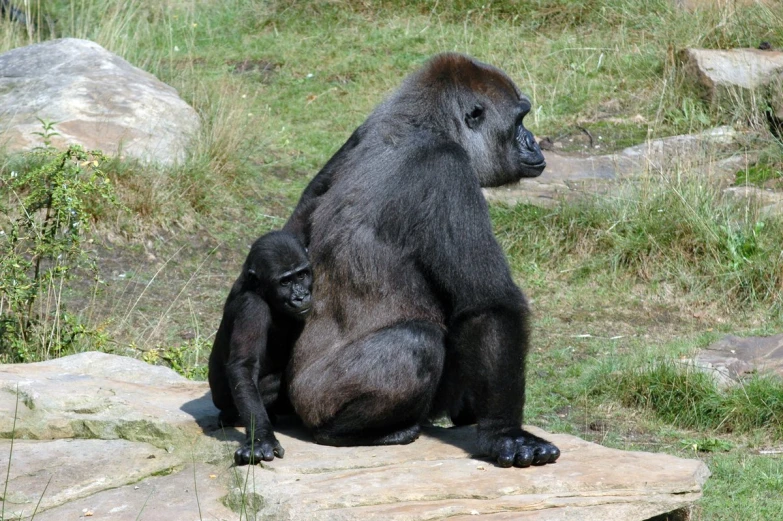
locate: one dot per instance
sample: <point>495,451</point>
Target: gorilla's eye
<point>300,275</point>
<point>474,117</point>
<point>285,281</point>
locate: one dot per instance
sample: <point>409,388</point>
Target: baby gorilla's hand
<point>263,448</point>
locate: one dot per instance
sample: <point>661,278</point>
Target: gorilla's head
<point>478,107</point>
<point>278,268</point>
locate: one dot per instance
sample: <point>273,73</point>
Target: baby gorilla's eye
<point>301,275</point>
<point>285,281</point>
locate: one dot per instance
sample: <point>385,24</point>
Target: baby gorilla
<point>262,318</point>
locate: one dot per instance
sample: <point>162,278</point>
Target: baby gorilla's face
<point>293,290</point>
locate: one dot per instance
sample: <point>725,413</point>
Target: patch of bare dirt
<point>265,70</point>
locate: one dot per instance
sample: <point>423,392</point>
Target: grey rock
<point>106,397</point>
<point>770,202</point>
<point>187,495</point>
<point>712,154</point>
<point>732,357</point>
<point>436,478</point>
<point>97,100</point>
<point>714,69</point>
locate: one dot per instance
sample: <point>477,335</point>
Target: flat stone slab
<point>732,357</point>
<point>187,495</point>
<point>61,471</point>
<point>154,452</point>
<point>436,478</point>
<point>712,154</point>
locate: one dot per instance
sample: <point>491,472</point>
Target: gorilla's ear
<point>474,117</point>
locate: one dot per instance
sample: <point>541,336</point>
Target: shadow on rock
<point>206,417</point>
<point>463,438</point>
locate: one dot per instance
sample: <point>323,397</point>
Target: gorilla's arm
<point>299,222</point>
<point>486,324</point>
<point>247,353</point>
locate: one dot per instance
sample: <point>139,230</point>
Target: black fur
<point>417,311</point>
<point>12,13</point>
<point>263,315</point>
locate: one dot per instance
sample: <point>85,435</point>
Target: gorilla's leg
<point>221,394</point>
<point>453,398</point>
<point>274,395</point>
<point>383,387</point>
<point>463,411</point>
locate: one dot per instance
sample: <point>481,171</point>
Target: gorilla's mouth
<point>530,153</point>
<point>540,165</point>
<point>298,311</point>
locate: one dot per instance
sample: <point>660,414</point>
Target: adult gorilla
<point>415,310</point>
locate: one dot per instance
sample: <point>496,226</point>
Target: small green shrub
<point>186,359</point>
<point>760,174</point>
<point>47,210</point>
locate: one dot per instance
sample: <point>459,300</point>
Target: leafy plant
<point>758,174</point>
<point>41,242</point>
<point>709,444</point>
<point>47,132</point>
<point>184,358</point>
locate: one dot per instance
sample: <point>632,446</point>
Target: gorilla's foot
<point>400,437</point>
<point>516,447</point>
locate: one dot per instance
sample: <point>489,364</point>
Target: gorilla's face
<point>501,149</point>
<point>531,160</point>
<point>278,263</point>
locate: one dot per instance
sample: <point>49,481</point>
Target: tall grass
<point>690,398</point>
<point>675,230</point>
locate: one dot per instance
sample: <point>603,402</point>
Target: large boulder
<point>727,73</point>
<point>95,98</point>
<point>114,438</point>
<point>714,69</point>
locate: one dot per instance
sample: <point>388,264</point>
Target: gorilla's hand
<point>516,447</point>
<point>254,451</point>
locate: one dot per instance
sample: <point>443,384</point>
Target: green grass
<point>623,285</point>
<point>672,230</point>
<point>743,487</point>
<point>690,399</point>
